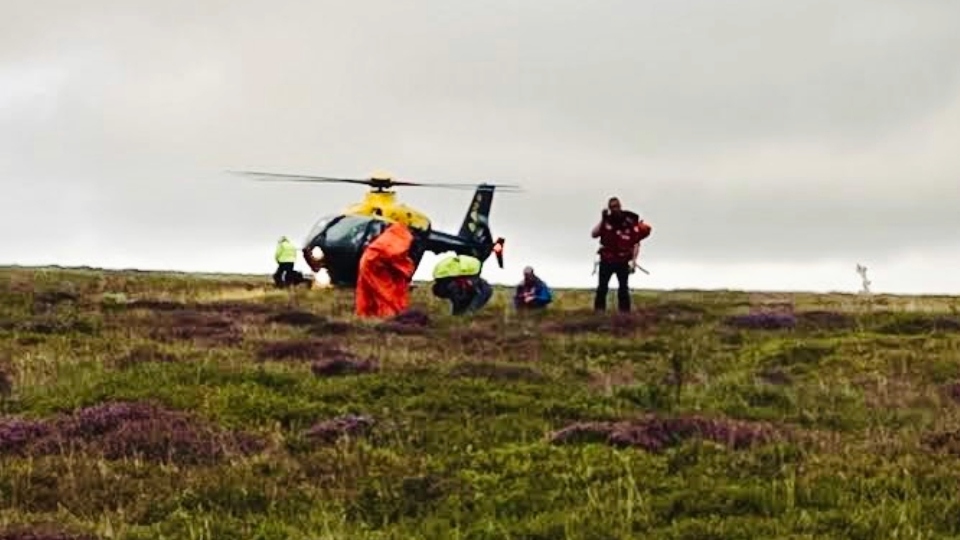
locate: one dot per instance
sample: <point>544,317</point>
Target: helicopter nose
<point>314,258</point>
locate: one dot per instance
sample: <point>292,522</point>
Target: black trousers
<point>483,293</point>
<point>280,276</point>
<point>606,271</point>
<point>463,299</point>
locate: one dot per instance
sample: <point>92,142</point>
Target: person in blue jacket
<point>532,293</point>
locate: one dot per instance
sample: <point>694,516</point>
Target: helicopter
<point>342,237</point>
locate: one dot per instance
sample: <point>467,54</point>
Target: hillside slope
<point>148,405</point>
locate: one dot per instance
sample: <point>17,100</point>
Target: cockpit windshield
<point>348,232</point>
<point>317,228</point>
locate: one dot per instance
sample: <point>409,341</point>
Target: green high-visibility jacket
<point>457,266</point>
<point>286,252</point>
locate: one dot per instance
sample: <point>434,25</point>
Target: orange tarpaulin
<point>385,273</point>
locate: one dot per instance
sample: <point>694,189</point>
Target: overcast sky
<point>771,145</point>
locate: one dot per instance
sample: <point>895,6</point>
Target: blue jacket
<point>542,295</point>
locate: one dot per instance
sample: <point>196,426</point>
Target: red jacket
<point>617,240</point>
<point>383,283</point>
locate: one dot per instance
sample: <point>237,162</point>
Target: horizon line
<point>209,274</point>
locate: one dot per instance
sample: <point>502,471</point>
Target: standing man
<point>286,256</point>
<point>620,232</point>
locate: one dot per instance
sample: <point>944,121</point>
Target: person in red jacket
<point>620,232</point>
<point>386,270</point>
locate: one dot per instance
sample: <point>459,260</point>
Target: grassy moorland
<point>147,405</point>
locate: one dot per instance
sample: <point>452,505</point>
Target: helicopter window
<point>347,232</point>
<point>318,228</point>
<point>375,228</point>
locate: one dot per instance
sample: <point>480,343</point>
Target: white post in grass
<point>866,305</point>
<point>862,270</point>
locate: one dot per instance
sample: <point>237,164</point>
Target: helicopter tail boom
<point>441,242</point>
<point>474,237</point>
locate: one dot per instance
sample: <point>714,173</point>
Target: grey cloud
<point>673,78</point>
<point>746,131</point>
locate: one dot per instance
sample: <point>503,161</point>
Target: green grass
<point>844,425</point>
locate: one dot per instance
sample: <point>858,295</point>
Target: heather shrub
<point>297,318</point>
<point>762,321</point>
<point>342,364</point>
<point>118,430</point>
<point>42,533</point>
<point>329,431</point>
<point>588,321</point>
<point>919,323</point>
<point>819,320</point>
<point>655,434</point>
<point>297,349</point>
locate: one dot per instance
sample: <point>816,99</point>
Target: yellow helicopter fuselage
<point>383,204</point>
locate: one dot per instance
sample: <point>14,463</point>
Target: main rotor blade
<point>505,187</point>
<point>266,176</point>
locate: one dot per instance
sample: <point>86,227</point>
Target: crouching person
<point>458,280</point>
<point>532,293</point>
